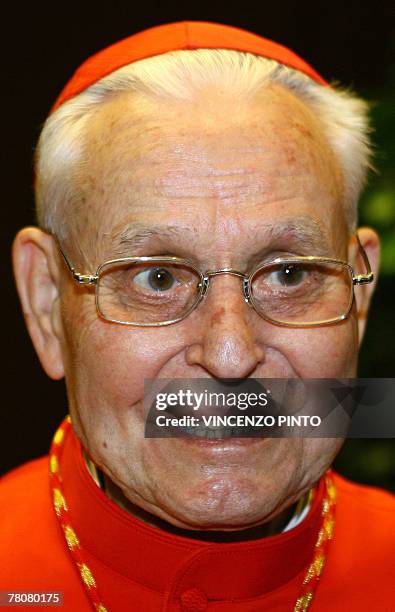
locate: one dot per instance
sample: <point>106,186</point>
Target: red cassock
<point>139,567</point>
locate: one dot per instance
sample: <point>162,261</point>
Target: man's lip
<point>220,442</point>
<point>198,384</point>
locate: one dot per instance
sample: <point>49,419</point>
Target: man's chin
<point>231,513</point>
<point>240,524</point>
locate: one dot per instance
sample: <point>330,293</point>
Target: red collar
<point>158,559</point>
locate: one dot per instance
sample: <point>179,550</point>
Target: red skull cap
<point>172,37</point>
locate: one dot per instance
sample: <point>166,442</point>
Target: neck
<point>275,526</point>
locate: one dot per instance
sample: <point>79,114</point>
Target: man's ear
<point>363,293</point>
<point>37,280</point>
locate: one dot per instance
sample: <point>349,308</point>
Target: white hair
<point>180,75</point>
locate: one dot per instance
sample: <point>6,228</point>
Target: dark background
<point>350,42</point>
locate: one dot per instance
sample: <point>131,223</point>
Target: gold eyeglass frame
<point>204,284</point>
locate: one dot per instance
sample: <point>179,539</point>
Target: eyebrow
<point>300,232</point>
<point>137,235</point>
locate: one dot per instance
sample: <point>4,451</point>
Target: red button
<point>193,600</point>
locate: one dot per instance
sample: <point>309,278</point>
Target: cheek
<point>106,362</point>
<point>326,352</point>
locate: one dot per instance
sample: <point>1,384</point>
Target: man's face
<point>236,184</point>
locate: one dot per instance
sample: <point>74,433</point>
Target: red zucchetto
<point>173,37</point>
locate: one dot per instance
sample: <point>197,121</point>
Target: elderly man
<point>196,192</point>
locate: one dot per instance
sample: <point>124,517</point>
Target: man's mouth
<point>213,433</point>
<point>176,423</point>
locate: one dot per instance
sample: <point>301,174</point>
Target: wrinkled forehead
<point>219,167</point>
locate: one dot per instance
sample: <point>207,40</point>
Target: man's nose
<point>227,343</point>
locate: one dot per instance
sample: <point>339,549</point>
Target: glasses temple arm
<point>83,279</point>
<point>361,279</point>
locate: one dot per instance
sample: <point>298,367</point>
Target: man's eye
<point>289,275</point>
<point>155,279</point>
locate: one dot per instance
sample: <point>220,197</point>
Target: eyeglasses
<point>286,291</point>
